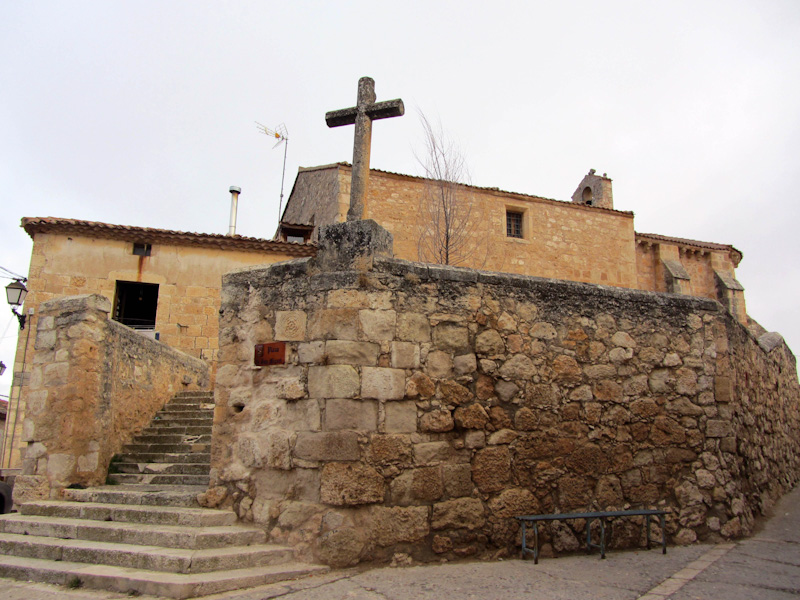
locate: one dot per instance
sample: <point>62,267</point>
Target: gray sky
<point>142,113</point>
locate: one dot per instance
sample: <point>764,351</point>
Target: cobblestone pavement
<point>764,567</point>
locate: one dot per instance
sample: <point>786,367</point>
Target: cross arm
<point>386,109</point>
<point>344,116</point>
<point>377,110</point>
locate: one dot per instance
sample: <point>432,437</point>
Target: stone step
<point>166,429</point>
<point>137,581</point>
<point>171,438</point>
<point>129,513</point>
<point>198,417</point>
<point>159,478</point>
<point>182,418</point>
<point>187,408</point>
<point>156,426</point>
<point>170,457</point>
<point>145,495</point>
<point>194,394</point>
<point>151,558</point>
<point>165,448</point>
<point>139,534</point>
<point>154,467</point>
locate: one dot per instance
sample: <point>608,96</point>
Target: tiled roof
<point>163,236</point>
<point>654,237</point>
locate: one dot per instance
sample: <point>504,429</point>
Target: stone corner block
<point>74,304</point>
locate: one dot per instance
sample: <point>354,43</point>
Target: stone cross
<point>362,114</point>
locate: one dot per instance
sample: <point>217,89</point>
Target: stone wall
<point>422,406</point>
<point>69,262</point>
<point>94,384</point>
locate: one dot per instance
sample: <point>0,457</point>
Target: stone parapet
<point>94,384</point>
<point>422,406</point>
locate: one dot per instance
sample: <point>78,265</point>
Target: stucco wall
<point>422,406</point>
<point>94,384</point>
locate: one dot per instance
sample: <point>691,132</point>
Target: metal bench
<point>590,516</point>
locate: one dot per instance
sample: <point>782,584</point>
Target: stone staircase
<point>146,534</point>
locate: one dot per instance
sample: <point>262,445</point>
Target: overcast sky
<point>142,113</point>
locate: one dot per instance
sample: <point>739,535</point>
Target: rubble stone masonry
<point>94,384</point>
<point>422,406</point>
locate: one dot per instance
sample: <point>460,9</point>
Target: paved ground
<point>764,567</point>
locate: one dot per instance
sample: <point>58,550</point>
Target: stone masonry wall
<point>94,384</point>
<point>422,406</point>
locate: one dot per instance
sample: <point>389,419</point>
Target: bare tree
<point>447,229</point>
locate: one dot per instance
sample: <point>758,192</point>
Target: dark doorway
<point>136,304</point>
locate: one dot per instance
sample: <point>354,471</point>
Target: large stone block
<point>269,448</point>
<point>454,394</point>
<point>383,383</point>
<point>457,480</point>
<point>390,448</point>
<point>333,381</point>
<point>346,352</point>
<point>352,245</point>
<point>341,548</point>
<point>427,453</point>
<point>310,352</point>
<point>378,325</point>
<point>396,524</point>
<point>489,343</point>
<point>491,468</point>
<point>413,327</point>
<point>427,484</point>
<point>472,416</point>
<point>718,429</point>
<point>451,338</point>
<point>342,445</point>
<point>513,502</point>
<point>29,488</point>
<point>350,484</point>
<point>518,366</point>
<point>437,421</point>
<point>400,417</point>
<point>461,513</point>
<point>439,365</point>
<point>351,414</point>
<point>420,385</point>
<point>405,355</point>
<point>334,324</point>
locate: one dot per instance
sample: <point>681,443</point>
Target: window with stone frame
<point>514,224</point>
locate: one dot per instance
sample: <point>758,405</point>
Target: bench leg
<point>602,538</point>
<point>647,520</point>
<point>663,534</point>
<point>524,547</point>
<point>588,536</point>
<point>535,543</point>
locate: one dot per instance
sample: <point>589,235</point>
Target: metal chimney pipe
<point>235,191</point>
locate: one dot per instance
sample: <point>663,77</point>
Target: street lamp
<point>15,293</point>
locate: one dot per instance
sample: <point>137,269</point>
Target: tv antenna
<point>281,134</point>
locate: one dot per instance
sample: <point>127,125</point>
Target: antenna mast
<point>281,134</point>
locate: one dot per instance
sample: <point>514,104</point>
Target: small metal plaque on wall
<point>273,353</point>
